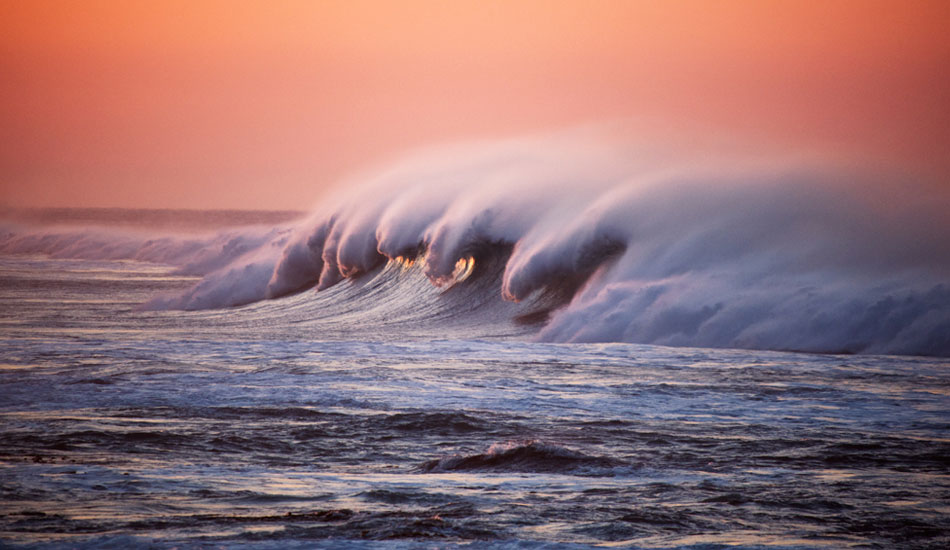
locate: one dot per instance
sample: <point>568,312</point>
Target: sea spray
<point>619,243</point>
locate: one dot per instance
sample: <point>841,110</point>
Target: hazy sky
<point>264,104</point>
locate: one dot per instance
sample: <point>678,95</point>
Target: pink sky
<point>265,104</point>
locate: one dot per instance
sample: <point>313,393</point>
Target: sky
<point>266,105</point>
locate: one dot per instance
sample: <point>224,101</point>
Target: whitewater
<point>596,245</point>
<point>536,343</point>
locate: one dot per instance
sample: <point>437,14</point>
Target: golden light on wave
<point>463,269</point>
<point>404,262</point>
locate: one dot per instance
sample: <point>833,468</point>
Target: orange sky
<point>264,104</point>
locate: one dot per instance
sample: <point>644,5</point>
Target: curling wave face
<point>593,243</point>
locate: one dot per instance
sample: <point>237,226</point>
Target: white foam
<point>667,250</point>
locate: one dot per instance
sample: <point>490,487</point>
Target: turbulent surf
<point>582,243</point>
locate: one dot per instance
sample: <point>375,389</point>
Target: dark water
<point>388,421</point>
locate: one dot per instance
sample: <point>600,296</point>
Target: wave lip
<point>530,456</point>
<point>593,246</point>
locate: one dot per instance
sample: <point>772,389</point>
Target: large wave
<point>610,242</point>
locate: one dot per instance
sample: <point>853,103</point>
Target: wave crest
<point>608,246</point>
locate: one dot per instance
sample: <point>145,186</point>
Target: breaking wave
<point>592,243</point>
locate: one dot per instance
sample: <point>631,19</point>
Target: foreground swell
<point>467,444</point>
<point>520,456</point>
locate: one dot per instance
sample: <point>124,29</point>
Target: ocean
<point>348,419</point>
<point>671,365</point>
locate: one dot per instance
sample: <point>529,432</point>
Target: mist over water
<point>607,242</point>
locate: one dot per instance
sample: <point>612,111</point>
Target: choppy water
<point>284,425</point>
